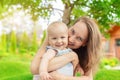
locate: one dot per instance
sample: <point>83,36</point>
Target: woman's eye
<point>80,39</point>
<point>62,37</point>
<point>73,32</point>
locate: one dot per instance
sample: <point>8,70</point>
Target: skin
<point>59,37</point>
<point>78,34</point>
<point>58,40</point>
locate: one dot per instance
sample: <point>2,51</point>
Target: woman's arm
<point>43,70</point>
<point>50,53</point>
<point>36,60</point>
<point>54,64</point>
<point>57,76</point>
<point>60,61</point>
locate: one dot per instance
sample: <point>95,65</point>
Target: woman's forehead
<point>81,29</point>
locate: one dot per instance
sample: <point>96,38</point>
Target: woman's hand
<point>60,61</point>
<point>79,69</point>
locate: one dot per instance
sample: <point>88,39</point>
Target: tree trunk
<point>66,14</point>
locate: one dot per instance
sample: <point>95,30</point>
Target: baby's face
<point>58,38</point>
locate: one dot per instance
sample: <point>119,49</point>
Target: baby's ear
<point>48,44</point>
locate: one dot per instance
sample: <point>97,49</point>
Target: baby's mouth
<point>59,45</point>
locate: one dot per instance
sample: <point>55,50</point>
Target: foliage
<point>106,12</point>
<point>3,42</point>
<point>13,42</point>
<point>34,7</point>
<point>22,43</point>
<point>44,36</point>
<point>111,62</point>
<point>34,41</point>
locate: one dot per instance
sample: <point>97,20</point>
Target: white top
<point>68,68</point>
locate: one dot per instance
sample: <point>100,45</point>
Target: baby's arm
<point>43,70</point>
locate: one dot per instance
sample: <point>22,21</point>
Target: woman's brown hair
<point>89,54</point>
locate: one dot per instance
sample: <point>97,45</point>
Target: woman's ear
<point>84,44</point>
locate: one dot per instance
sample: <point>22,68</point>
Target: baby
<point>57,45</point>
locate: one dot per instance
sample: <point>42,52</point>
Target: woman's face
<point>78,34</point>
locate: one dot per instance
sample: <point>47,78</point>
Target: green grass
<point>15,68</point>
<point>107,75</point>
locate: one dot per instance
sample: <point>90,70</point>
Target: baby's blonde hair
<point>55,26</point>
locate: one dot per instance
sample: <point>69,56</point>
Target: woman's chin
<point>72,47</point>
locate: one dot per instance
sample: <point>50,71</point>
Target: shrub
<point>111,62</point>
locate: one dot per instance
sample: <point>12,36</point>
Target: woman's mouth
<point>71,44</point>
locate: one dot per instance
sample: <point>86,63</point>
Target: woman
<point>84,39</point>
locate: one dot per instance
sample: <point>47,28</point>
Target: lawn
<point>18,68</point>
<point>107,75</point>
<point>15,68</point>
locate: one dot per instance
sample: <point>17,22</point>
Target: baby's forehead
<point>57,27</point>
<point>61,26</point>
<point>58,31</point>
<point>57,34</point>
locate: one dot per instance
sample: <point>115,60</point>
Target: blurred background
<point>23,26</point>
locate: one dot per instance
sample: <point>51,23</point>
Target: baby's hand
<point>45,76</point>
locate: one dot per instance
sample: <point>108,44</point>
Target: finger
<point>43,78</point>
<point>50,78</point>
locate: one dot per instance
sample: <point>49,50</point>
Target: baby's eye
<point>54,38</point>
